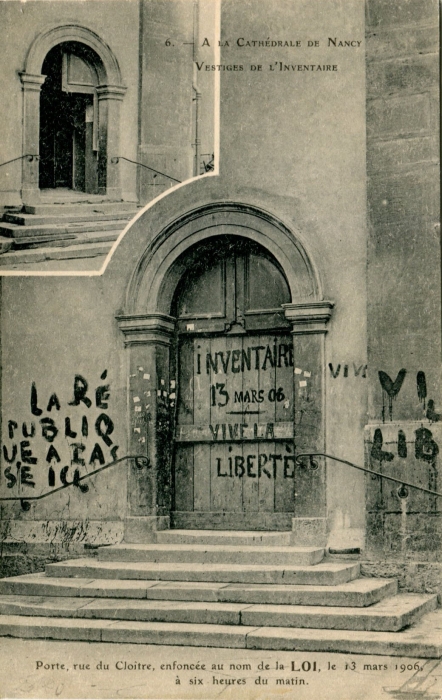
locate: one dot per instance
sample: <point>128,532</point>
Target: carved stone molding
<point>141,329</point>
<point>111,92</point>
<point>309,317</point>
<point>32,82</point>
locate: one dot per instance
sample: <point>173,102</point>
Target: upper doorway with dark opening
<point>69,119</point>
<point>234,453</point>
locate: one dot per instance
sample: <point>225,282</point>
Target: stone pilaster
<point>309,325</point>
<point>109,100</point>
<point>148,339</point>
<point>31,86</point>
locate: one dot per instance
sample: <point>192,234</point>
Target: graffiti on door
<point>235,426</point>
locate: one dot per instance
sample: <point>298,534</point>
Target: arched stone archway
<point>110,92</point>
<point>150,335</point>
<point>152,280</point>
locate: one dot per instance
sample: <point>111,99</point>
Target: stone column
<point>109,103</point>
<point>309,326</point>
<point>31,86</point>
<point>148,338</point>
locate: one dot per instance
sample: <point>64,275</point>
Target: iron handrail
<point>140,461</point>
<point>401,482</point>
<point>29,156</point>
<point>115,160</point>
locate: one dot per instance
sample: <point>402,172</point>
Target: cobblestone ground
<point>51,669</point>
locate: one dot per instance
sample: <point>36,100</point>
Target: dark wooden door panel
<point>250,477</point>
<point>234,434</point>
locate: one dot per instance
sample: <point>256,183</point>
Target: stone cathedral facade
<point>285,300</point>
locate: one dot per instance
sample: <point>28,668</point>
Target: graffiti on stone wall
<point>409,450</point>
<point>425,447</point>
<point>431,414</point>
<point>421,384</point>
<point>358,370</point>
<point>425,450</point>
<point>391,389</point>
<point>60,437</point>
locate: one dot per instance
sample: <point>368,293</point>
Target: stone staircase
<point>68,230</point>
<point>221,589</point>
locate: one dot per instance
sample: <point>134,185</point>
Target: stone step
<point>13,259</point>
<point>389,615</point>
<point>118,609</point>
<point>79,208</point>
<point>360,592</point>
<point>56,230</point>
<point>253,538</point>
<point>66,194</point>
<point>326,574</point>
<point>212,554</point>
<point>5,244</point>
<point>74,238</point>
<point>23,219</point>
<point>422,639</point>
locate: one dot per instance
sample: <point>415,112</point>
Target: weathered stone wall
<point>169,88</point>
<point>37,443</point>
<point>412,575</point>
<point>18,558</point>
<point>404,335</point>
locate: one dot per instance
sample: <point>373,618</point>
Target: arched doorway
<point>225,324</point>
<point>68,143</point>
<point>72,90</point>
<point>233,458</point>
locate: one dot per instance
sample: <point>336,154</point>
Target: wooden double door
<point>234,459</point>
